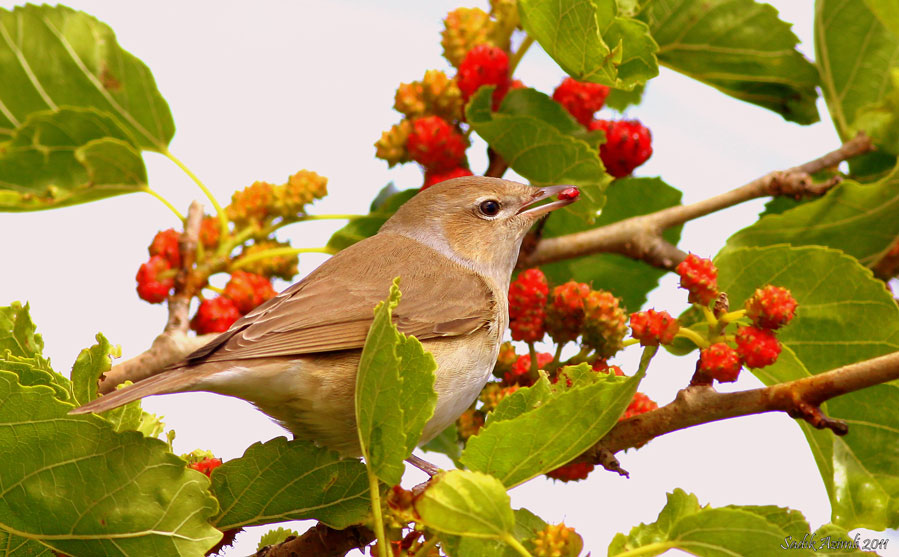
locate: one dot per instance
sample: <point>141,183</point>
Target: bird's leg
<point>423,465</point>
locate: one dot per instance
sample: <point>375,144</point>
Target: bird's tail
<point>169,381</point>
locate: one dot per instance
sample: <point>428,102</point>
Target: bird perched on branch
<point>453,245</point>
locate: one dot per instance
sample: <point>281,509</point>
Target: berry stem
<point>732,316</point>
<point>519,54</point>
<point>692,335</point>
<point>217,290</point>
<point>709,317</point>
<point>275,252</point>
<point>220,213</point>
<point>164,201</point>
<point>516,545</point>
<point>630,342</point>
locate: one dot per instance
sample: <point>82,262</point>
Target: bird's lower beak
<point>547,192</point>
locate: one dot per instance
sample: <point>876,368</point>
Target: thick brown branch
<point>167,348</point>
<point>701,404</point>
<point>320,540</point>
<point>641,237</point>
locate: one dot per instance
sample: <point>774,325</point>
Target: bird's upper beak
<point>544,193</point>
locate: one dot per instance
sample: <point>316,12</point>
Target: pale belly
<point>313,396</point>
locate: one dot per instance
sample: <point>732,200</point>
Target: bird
<point>454,246</point>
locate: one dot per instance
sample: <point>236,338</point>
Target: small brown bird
<point>453,245</point>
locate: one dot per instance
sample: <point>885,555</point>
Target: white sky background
<point>261,90</point>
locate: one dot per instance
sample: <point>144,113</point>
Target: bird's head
<point>477,221</point>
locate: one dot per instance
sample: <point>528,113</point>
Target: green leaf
<point>881,120</point>
<point>363,227</point>
<point>16,546</point>
<point>527,524</point>
<point>90,365</point>
<point>558,430</point>
<point>522,400</point>
<point>739,47</point>
<point>417,398</point>
<point>290,480</point>
<point>20,352</point>
<point>706,531</point>
<point>275,536</point>
<point>62,157</point>
<point>466,503</point>
<point>394,393</point>
<point>54,56</point>
<point>591,42</point>
<point>887,12</point>
<point>844,316</point>
<point>36,371</point>
<point>90,490</point>
<point>541,145</point>
<point>628,279</point>
<point>855,54</point>
<point>858,219</point>
<point>446,442</point>
<point>619,99</point>
<point>18,332</point>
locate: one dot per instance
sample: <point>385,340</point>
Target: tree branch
<point>640,237</point>
<point>699,404</point>
<point>320,540</point>
<point>174,343</point>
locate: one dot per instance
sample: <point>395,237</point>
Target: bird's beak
<point>544,193</point>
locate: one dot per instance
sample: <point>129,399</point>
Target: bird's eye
<point>489,208</point>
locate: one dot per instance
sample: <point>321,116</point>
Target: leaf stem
<point>532,350</point>
<point>378,518</point>
<point>275,252</point>
<point>519,54</point>
<point>164,201</point>
<point>516,545</point>
<point>220,213</point>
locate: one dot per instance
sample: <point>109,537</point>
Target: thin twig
<point>640,237</point>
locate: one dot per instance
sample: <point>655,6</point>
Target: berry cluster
<point>754,345</point>
<point>557,541</point>
<point>566,312</point>
<point>628,143</point>
<point>527,305</point>
<point>253,215</point>
<point>431,133</point>
<point>261,203</point>
<point>243,292</point>
<point>202,461</point>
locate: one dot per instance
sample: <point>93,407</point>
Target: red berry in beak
<point>569,193</point>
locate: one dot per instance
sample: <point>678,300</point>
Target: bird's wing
<point>333,307</point>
